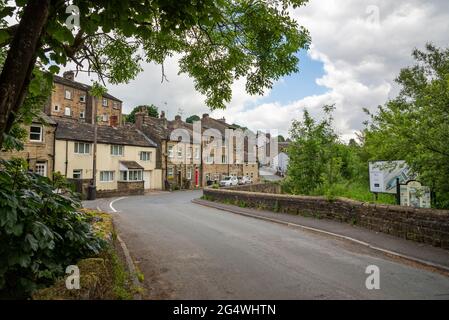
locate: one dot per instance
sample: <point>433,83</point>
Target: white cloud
<point>361,59</point>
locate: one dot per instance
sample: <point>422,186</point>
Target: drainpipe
<point>66,157</point>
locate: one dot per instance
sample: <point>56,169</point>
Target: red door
<point>196,177</point>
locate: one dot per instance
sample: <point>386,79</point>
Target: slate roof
<point>75,130</point>
<point>131,164</point>
<point>80,86</point>
<point>44,118</point>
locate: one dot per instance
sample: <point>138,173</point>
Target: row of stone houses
<point>128,158</point>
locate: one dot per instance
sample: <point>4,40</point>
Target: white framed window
<point>68,94</point>
<point>82,98</point>
<point>189,174</point>
<point>56,108</point>
<point>116,150</point>
<point>77,174</point>
<point>106,176</point>
<point>207,177</point>
<point>82,148</point>
<point>189,152</point>
<point>170,151</point>
<point>67,111</point>
<point>105,102</point>
<point>197,153</point>
<point>116,105</point>
<point>82,114</point>
<point>36,133</point>
<point>170,172</point>
<point>145,156</point>
<point>105,117</point>
<point>131,175</point>
<point>179,151</point>
<point>41,168</point>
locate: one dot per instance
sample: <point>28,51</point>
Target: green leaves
<point>41,230</point>
<point>415,125</point>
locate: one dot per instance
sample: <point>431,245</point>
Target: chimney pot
<point>162,116</point>
<point>69,75</point>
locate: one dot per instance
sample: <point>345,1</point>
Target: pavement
<point>190,251</point>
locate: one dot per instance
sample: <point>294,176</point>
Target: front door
<point>147,179</point>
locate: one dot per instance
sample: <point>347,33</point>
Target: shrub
<point>42,230</point>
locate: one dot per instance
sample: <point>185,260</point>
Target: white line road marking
<point>110,204</point>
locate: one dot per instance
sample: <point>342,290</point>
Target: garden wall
<point>429,226</point>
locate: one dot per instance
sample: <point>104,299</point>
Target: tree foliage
<point>313,160</point>
<point>41,230</point>
<point>193,118</point>
<point>217,41</point>
<point>150,110</point>
<point>415,125</point>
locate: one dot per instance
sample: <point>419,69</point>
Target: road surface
<point>187,251</point>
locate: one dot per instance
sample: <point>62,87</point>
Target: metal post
<point>398,192</point>
<point>93,187</point>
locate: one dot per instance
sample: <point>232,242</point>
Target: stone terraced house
<point>39,146</point>
<point>125,162</point>
<point>71,99</point>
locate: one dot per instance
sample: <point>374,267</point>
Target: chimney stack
<point>205,115</point>
<point>162,116</point>
<point>178,117</point>
<point>222,119</point>
<point>140,118</point>
<point>69,75</point>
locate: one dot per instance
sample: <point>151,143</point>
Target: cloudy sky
<point>358,48</point>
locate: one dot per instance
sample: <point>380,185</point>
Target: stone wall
<point>123,189</point>
<point>259,187</point>
<point>428,226</point>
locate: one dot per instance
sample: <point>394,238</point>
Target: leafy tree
<point>41,230</point>
<point>218,41</point>
<point>415,125</point>
<point>151,110</point>
<point>193,118</point>
<point>281,138</point>
<point>313,158</point>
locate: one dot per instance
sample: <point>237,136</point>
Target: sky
<point>358,48</point>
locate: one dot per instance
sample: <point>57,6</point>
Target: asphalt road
<point>187,251</point>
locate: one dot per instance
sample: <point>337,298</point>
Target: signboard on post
<point>413,194</point>
<point>383,175</point>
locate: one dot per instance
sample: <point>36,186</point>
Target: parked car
<point>245,180</point>
<point>229,181</point>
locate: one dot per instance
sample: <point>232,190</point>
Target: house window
<point>189,174</point>
<point>36,133</point>
<point>224,159</point>
<point>77,174</point>
<point>116,150</point>
<point>105,117</point>
<point>83,98</point>
<point>67,111</point>
<point>145,156</point>
<point>82,115</point>
<point>170,151</point>
<point>56,108</point>
<point>105,102</point>
<point>41,168</point>
<point>106,176</point>
<point>82,148</point>
<point>116,105</point>
<point>68,95</point>
<point>207,177</point>
<point>131,175</point>
<point>179,151</point>
<point>189,152</point>
<point>170,172</point>
<point>197,153</point>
